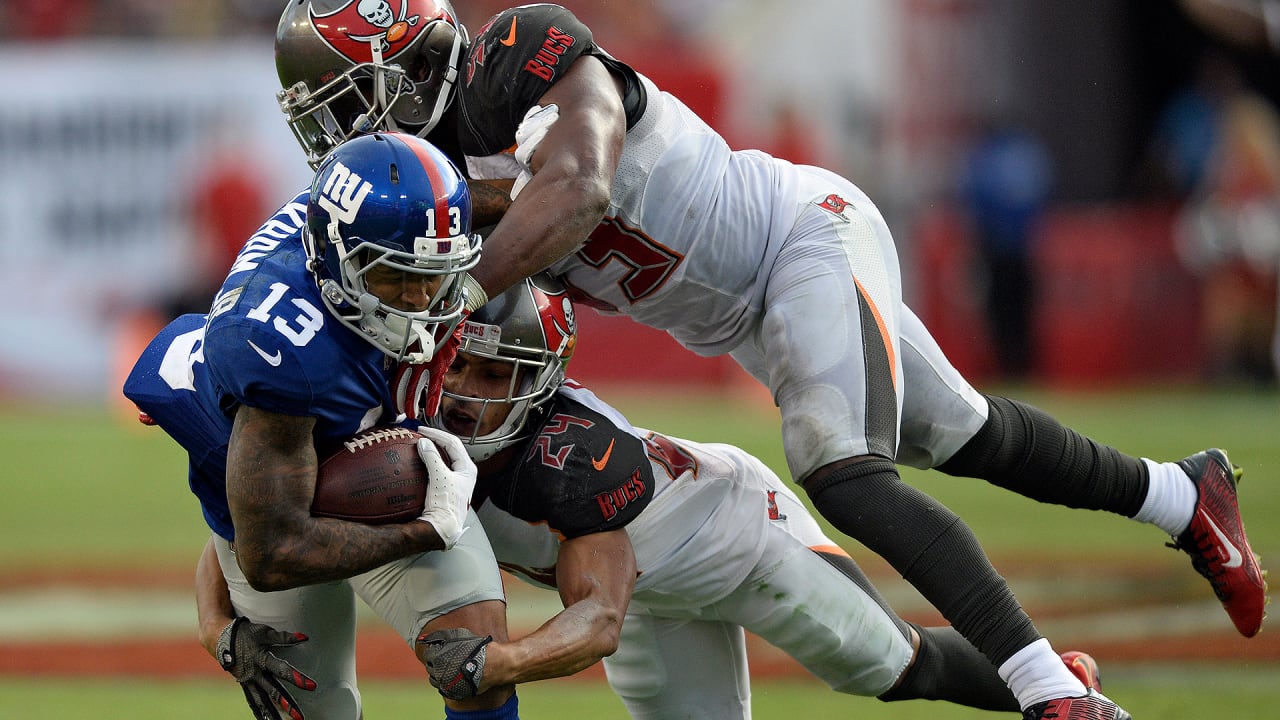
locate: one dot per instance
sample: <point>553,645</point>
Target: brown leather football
<point>376,477</point>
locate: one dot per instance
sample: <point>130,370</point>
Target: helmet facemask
<point>341,109</point>
<point>405,335</point>
<point>535,376</point>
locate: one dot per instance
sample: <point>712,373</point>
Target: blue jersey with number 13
<point>268,342</point>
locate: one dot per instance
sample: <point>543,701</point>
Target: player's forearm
<point>271,476</point>
<point>489,201</point>
<point>322,550</point>
<point>571,641</point>
<point>595,574</point>
<point>213,600</point>
<point>573,168</point>
<point>536,232</point>
<point>280,545</point>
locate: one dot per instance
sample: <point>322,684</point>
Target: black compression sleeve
<point>948,668</point>
<point>1024,449</point>
<point>931,547</point>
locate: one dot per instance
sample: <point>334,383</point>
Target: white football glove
<point>449,486</point>
<point>533,128</point>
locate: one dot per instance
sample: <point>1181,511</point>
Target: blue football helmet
<point>391,200</point>
<point>532,327</point>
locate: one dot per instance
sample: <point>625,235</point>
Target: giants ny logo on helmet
<point>343,193</point>
<point>363,29</point>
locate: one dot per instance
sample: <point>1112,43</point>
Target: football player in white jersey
<point>642,209</point>
<point>689,542</point>
<point>345,286</point>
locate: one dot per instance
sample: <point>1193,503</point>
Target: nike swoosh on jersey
<point>599,464</point>
<point>510,39</point>
<point>272,360</point>
<point>1234,558</point>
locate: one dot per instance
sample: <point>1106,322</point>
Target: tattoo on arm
<point>271,474</point>
<point>489,201</point>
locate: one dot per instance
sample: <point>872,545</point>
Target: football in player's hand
<point>375,477</point>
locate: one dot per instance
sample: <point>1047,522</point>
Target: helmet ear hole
<point>432,72</point>
<point>439,41</point>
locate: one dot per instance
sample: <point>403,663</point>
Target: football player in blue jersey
<point>327,324</point>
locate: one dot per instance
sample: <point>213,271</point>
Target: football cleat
<point>1084,667</point>
<point>1216,542</point>
<point>1093,706</point>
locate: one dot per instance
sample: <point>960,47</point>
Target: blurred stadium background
<point>143,144</point>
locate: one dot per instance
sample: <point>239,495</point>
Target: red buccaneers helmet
<point>349,67</point>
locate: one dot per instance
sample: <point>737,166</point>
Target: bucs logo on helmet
<point>363,29</point>
<point>559,326</point>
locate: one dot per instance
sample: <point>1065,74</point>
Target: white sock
<point>1171,498</point>
<point>1037,674</point>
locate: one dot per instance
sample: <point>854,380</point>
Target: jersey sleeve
<point>255,368</point>
<point>515,58</point>
<point>581,474</point>
<point>271,345</point>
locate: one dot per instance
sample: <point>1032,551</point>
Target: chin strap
<point>409,389</point>
<point>473,295</point>
<point>450,78</point>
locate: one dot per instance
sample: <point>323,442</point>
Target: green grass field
<point>1148,692</point>
<point>88,489</point>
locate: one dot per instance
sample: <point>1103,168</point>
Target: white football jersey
<point>680,190</point>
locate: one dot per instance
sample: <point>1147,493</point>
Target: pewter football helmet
<point>349,67</point>
<point>531,326</point>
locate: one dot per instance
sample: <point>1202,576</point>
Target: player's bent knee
<point>841,471</point>
<point>865,664</point>
<point>830,622</point>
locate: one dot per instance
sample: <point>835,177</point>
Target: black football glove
<point>455,661</point>
<point>244,650</point>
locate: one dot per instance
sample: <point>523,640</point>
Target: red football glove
<point>439,365</point>
<point>417,387</point>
